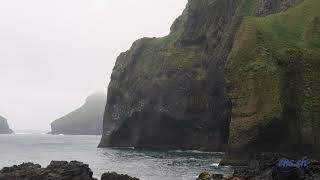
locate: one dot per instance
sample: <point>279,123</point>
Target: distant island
<point>4,127</point>
<point>87,120</point>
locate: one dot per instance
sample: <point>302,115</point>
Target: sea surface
<point>146,165</point>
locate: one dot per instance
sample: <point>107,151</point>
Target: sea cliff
<point>87,120</point>
<point>274,82</point>
<point>235,75</point>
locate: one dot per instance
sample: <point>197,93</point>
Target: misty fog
<point>55,53</point>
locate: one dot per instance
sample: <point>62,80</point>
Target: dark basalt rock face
<point>266,167</point>
<point>57,170</point>
<point>87,120</point>
<point>115,176</point>
<point>4,127</point>
<point>170,92</point>
<point>228,74</point>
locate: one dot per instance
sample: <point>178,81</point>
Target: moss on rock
<point>274,79</point>
<point>175,91</point>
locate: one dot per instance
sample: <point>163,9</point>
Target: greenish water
<point>146,165</point>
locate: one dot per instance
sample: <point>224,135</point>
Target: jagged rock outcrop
<point>253,60</point>
<point>57,170</point>
<point>4,127</point>
<point>87,120</point>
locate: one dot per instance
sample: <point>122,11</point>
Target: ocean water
<point>146,165</point>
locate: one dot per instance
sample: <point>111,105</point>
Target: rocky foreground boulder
<point>115,176</point>
<point>57,170</point>
<point>73,170</point>
<point>272,167</point>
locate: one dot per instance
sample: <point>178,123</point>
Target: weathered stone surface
<point>57,170</point>
<point>266,166</point>
<point>87,120</point>
<point>115,176</point>
<point>4,127</point>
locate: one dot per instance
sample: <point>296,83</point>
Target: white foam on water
<point>214,164</point>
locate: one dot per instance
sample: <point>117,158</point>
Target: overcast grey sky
<point>54,53</point>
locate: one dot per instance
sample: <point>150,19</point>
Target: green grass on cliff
<point>275,66</point>
<point>160,61</point>
<point>296,27</point>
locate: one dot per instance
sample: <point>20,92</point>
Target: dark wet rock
<point>204,176</point>
<point>217,177</point>
<point>57,170</point>
<point>115,176</point>
<point>4,127</point>
<point>266,166</point>
<point>208,176</point>
<point>87,120</point>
